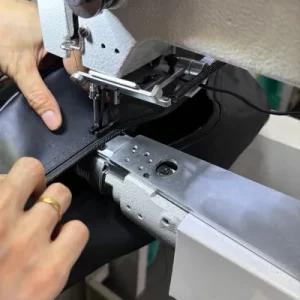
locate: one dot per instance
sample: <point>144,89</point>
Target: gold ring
<point>54,204</point>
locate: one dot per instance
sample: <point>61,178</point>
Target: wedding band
<point>54,204</point>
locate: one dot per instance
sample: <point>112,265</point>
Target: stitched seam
<point>70,148</point>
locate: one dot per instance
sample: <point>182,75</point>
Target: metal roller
<point>89,8</point>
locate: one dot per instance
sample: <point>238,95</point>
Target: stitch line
<point>67,150</point>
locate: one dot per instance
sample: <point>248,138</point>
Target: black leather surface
<point>211,127</point>
<point>22,132</point>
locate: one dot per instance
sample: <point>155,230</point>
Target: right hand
<point>32,265</point>
<point>21,52</point>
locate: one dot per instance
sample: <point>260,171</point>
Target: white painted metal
<point>258,35</point>
<point>141,203</point>
<point>57,25</point>
<point>273,157</point>
<point>208,265</point>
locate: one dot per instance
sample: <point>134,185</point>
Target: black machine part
<point>89,8</point>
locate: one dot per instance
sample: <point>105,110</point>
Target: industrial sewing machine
<point>241,244</point>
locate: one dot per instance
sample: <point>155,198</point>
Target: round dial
<point>86,8</point>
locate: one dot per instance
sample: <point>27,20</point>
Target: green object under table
<point>273,89</point>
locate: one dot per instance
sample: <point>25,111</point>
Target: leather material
<point>22,132</point>
<point>208,126</point>
<point>237,125</point>
<point>212,126</point>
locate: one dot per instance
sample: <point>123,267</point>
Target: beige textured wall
<point>260,35</point>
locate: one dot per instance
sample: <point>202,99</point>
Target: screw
<point>102,147</point>
<point>84,31</point>
<point>164,171</point>
<point>166,168</point>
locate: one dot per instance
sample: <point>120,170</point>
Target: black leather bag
<point>210,126</point>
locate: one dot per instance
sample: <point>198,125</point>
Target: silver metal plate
<point>128,88</point>
<point>262,220</point>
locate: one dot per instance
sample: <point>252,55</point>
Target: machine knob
<point>89,8</point>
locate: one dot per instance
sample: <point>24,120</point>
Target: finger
<point>38,96</point>
<point>3,177</point>
<point>27,177</point>
<point>70,242</point>
<point>44,214</point>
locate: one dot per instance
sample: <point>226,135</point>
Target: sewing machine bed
<point>210,126</point>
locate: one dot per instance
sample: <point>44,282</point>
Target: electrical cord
<point>247,102</point>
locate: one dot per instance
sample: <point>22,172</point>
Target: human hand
<point>22,50</point>
<point>32,265</point>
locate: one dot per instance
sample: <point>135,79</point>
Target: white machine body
<point>262,36</point>
<point>234,239</point>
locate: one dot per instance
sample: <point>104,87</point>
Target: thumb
<point>39,97</point>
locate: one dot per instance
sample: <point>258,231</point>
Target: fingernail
<point>51,120</point>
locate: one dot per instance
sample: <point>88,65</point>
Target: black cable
<point>247,102</point>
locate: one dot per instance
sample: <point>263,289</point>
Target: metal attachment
<point>130,88</point>
<point>154,85</point>
<point>115,97</point>
<point>166,168</point>
<point>89,8</point>
<point>70,45</point>
<point>84,31</point>
<point>93,169</point>
<point>77,44</point>
<point>78,79</point>
<point>98,98</point>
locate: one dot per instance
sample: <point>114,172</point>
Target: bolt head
<point>84,32</point>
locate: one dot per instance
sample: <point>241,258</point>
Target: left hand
<point>34,264</point>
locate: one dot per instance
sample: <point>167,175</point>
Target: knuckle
<point>62,190</point>
<point>81,230</point>
<point>38,101</point>
<point>8,193</point>
<point>22,65</point>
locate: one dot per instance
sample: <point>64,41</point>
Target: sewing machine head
<point>120,37</point>
<point>122,58</point>
<point>262,36</point>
